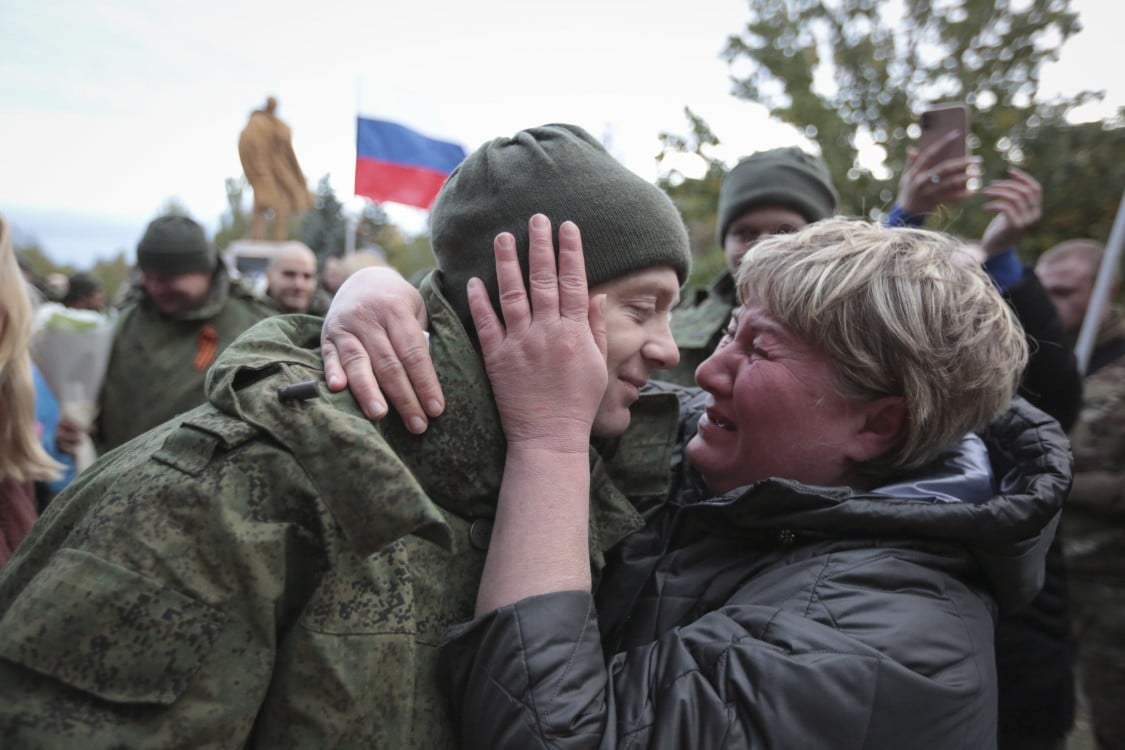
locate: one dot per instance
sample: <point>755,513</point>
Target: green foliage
<point>1085,166</point>
<point>174,207</point>
<point>697,198</point>
<point>324,229</point>
<point>234,224</point>
<point>852,73</point>
<point>114,276</point>
<point>36,258</point>
<point>411,256</point>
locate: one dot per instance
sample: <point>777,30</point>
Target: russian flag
<point>395,163</point>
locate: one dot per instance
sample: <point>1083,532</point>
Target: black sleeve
<point>1051,381</point>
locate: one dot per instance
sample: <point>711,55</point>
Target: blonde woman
<point>22,458</point>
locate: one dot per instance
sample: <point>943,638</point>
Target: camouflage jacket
<point>273,570</point>
<point>698,323</point>
<point>1094,519</point>
<point>158,363</point>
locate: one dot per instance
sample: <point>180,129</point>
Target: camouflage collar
<point>455,466</point>
<point>470,441</point>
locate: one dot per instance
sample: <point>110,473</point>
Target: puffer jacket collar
<point>1007,535</point>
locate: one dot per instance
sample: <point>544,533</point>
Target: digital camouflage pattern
<point>1093,531</point>
<point>158,364</point>
<point>1095,510</point>
<point>274,574</point>
<point>698,323</point>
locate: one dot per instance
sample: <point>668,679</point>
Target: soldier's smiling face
<point>639,339</point>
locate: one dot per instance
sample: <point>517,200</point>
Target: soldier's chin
<point>611,423</point>
<point>169,305</point>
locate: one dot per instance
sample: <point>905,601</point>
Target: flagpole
<point>1107,273</point>
<point>352,223</point>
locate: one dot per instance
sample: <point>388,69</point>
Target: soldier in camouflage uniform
<point>769,192</point>
<point>1093,526</point>
<point>188,311</point>
<point>272,569</point>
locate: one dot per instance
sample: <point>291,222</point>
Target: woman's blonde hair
<point>22,458</point>
<point>901,312</point>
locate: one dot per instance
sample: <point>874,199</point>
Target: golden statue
<point>266,150</point>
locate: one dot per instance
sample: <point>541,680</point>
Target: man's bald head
<point>291,274</point>
<point>1068,272</point>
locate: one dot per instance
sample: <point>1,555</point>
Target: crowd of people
<point>819,503</point>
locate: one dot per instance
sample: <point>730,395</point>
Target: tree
<point>1085,165</point>
<point>411,256</point>
<point>232,225</point>
<point>852,73</point>
<point>324,228</point>
<point>36,258</point>
<point>173,206</point>
<point>372,228</point>
<point>697,198</point>
<point>113,274</point>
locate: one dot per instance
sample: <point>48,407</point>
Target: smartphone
<point>941,120</point>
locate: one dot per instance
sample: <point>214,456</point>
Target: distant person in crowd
<point>826,565</point>
<point>188,311</point>
<point>56,285</point>
<point>48,413</point>
<point>769,192</point>
<point>274,570</point>
<point>362,258</point>
<point>1093,528</point>
<point>23,461</point>
<point>265,148</point>
<point>84,292</point>
<point>1034,647</point>
<point>291,280</point>
<point>332,274</point>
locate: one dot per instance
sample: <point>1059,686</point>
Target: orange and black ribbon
<point>207,346</point>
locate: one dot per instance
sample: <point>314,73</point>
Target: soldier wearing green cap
<point>187,312</point>
<point>769,192</point>
<point>274,570</point>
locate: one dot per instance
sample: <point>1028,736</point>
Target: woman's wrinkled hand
<point>374,342</point>
<point>546,357</point>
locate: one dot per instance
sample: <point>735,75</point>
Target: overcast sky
<point>109,109</point>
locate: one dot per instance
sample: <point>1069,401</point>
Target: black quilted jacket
<point>777,616</point>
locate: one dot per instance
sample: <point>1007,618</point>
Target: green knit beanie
<point>786,177</point>
<point>174,245</point>
<point>627,224</point>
